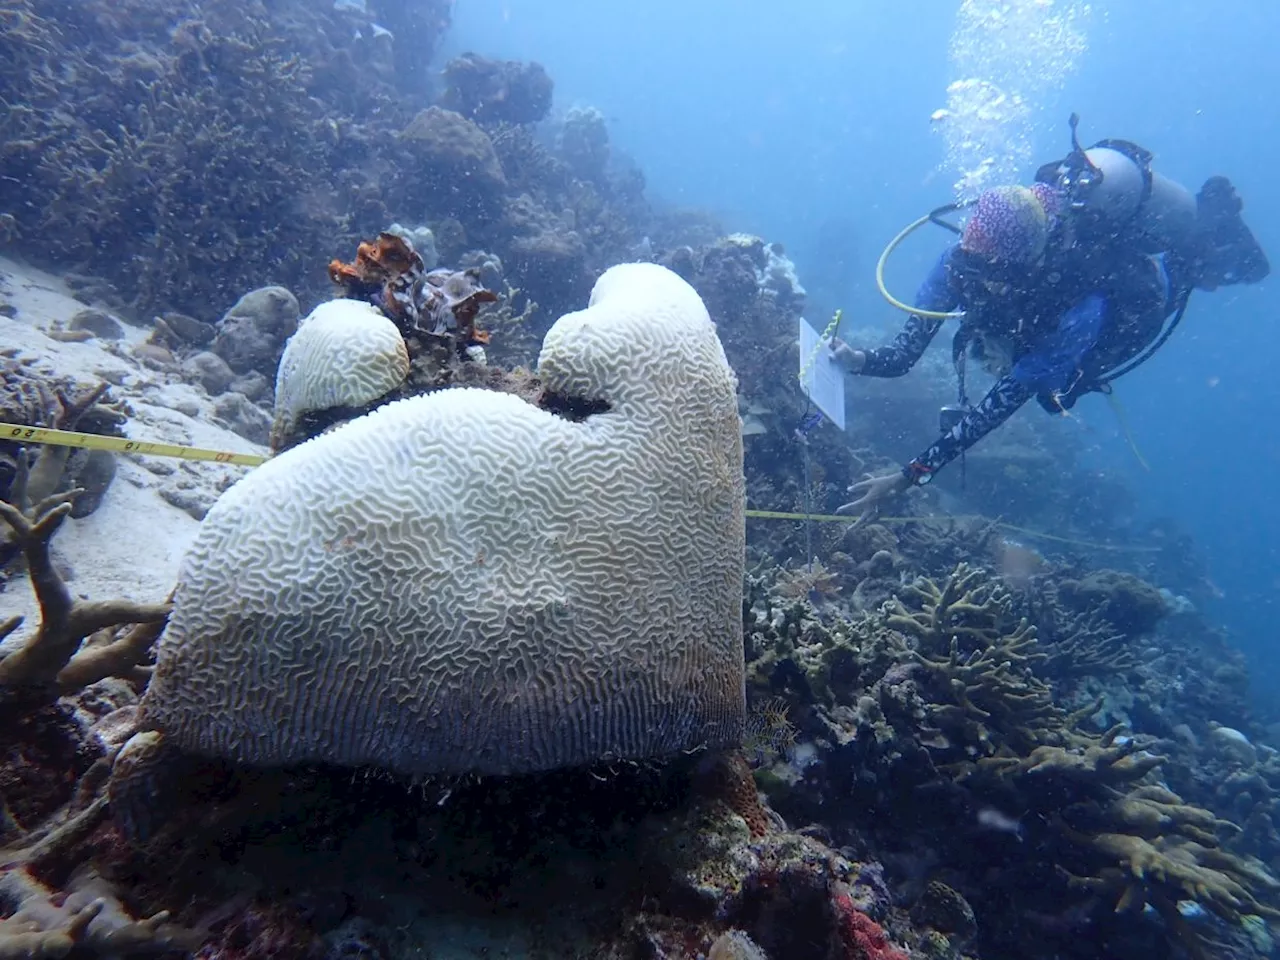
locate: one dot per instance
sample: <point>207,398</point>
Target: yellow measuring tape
<point>17,433</point>
<point>999,525</point>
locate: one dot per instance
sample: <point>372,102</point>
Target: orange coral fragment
<point>390,274</point>
<point>377,264</point>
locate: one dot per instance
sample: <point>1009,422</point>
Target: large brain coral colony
<point>465,582</point>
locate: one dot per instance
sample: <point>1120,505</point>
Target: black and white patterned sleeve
<point>936,295</point>
<point>1000,403</point>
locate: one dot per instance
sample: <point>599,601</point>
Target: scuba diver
<point>1060,288</point>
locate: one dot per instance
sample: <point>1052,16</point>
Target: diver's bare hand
<point>872,494</point>
<point>850,360</point>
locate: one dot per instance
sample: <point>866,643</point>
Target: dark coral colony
<point>490,658</point>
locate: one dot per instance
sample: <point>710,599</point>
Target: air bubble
<point>1008,58</point>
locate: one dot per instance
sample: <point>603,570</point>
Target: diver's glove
<point>1228,251</point>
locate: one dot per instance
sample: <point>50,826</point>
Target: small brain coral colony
<point>397,329</point>
<point>464,582</point>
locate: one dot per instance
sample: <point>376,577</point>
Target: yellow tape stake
<point>17,433</point>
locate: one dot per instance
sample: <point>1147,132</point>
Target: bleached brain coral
<point>465,582</point>
<point>344,354</point>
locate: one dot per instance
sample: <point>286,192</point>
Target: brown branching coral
<point>1141,842</point>
<point>981,665</point>
<point>1153,810</point>
<point>528,165</point>
<point>1109,760</point>
<point>87,918</point>
<point>976,697</point>
<point>1077,642</point>
<point>1166,869</point>
<point>993,691</point>
<point>54,658</point>
<point>194,128</point>
<point>27,397</point>
<point>1091,652</point>
<point>1131,605</point>
<point>967,608</point>
<point>938,544</point>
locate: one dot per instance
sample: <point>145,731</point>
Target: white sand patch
<point>132,544</point>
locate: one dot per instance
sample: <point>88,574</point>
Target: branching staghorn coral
<point>980,662</point>
<point>87,919</point>
<point>27,398</point>
<point>1107,827</point>
<point>54,658</point>
<point>1077,643</point>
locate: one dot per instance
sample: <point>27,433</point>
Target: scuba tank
<point>1113,191</point>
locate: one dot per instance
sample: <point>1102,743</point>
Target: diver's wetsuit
<point>1076,320</point>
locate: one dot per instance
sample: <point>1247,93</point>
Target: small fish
<point>989,818</point>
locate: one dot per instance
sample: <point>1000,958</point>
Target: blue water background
<point>808,123</point>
